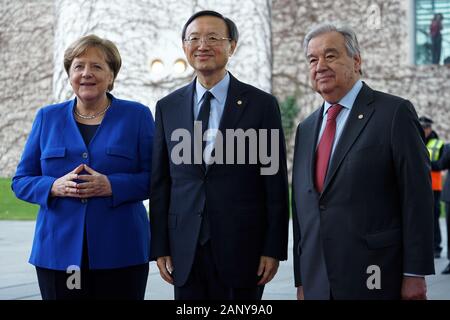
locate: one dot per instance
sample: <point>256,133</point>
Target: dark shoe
<point>437,254</point>
<point>446,270</point>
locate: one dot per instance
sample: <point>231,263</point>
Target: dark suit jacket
<point>376,207</point>
<point>444,164</point>
<point>248,212</point>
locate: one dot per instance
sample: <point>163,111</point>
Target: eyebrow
<point>84,62</point>
<point>208,34</point>
<point>327,50</point>
<point>334,50</point>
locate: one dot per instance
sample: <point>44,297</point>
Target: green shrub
<point>289,110</point>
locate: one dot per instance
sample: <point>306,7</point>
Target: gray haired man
<point>361,190</point>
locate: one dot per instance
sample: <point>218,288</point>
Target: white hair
<point>351,42</point>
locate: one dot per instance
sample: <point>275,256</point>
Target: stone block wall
<point>35,33</point>
<point>384,31</point>
<point>26,60</point>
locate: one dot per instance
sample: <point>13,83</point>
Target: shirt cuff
<point>414,275</point>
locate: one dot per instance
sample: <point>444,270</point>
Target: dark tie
<point>203,116</point>
<point>325,146</point>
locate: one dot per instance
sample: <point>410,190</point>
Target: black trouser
<point>127,283</point>
<point>436,46</point>
<point>437,228</point>
<point>204,282</point>
<point>124,284</point>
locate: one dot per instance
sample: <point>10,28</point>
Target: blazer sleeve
<point>128,187</point>
<point>444,161</point>
<point>412,167</point>
<point>276,186</point>
<point>160,191</point>
<point>28,183</point>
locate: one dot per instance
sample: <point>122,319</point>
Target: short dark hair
<point>233,33</point>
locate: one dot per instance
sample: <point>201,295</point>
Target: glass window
<point>432,31</point>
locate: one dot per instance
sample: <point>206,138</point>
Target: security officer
<point>435,147</point>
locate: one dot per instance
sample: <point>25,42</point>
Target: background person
<point>444,164</point>
<point>436,38</point>
<point>435,147</point>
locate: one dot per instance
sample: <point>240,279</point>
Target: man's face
<point>208,58</point>
<point>332,71</point>
<point>427,131</point>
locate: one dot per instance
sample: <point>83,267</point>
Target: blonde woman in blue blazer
<point>87,163</point>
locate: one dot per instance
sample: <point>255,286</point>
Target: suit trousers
<point>127,283</point>
<point>437,228</point>
<point>204,282</point>
<point>447,221</point>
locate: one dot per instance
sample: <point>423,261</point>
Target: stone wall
<point>26,52</point>
<point>147,30</point>
<point>35,33</point>
<point>384,32</point>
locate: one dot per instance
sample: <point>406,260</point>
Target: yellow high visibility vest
<point>433,146</point>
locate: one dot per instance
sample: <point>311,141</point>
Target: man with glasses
<point>219,228</point>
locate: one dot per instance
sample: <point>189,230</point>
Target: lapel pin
<point>239,102</point>
<point>360,116</point>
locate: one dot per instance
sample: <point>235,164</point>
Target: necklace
<point>93,116</point>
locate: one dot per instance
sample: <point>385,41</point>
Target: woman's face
<point>90,75</point>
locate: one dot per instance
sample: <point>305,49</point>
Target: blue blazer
<point>117,227</point>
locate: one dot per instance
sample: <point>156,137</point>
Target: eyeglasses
<point>210,40</point>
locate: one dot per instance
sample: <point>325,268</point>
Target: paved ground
<point>18,278</point>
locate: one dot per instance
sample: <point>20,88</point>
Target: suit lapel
<point>186,117</point>
<point>234,105</point>
<point>358,118</point>
<point>311,142</point>
<point>186,110</point>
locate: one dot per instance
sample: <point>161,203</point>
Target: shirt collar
<point>219,91</point>
<point>348,100</point>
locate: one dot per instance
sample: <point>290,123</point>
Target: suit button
<point>85,155</point>
<point>322,207</point>
<point>84,200</point>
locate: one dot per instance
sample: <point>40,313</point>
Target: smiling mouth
<point>324,78</point>
<point>88,84</point>
<point>203,56</point>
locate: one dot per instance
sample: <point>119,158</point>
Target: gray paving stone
<point>18,278</point>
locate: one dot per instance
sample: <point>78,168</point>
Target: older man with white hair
<point>362,199</point>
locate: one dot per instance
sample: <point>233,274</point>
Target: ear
<point>111,80</point>
<point>185,48</point>
<point>233,45</point>
<point>357,63</point>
